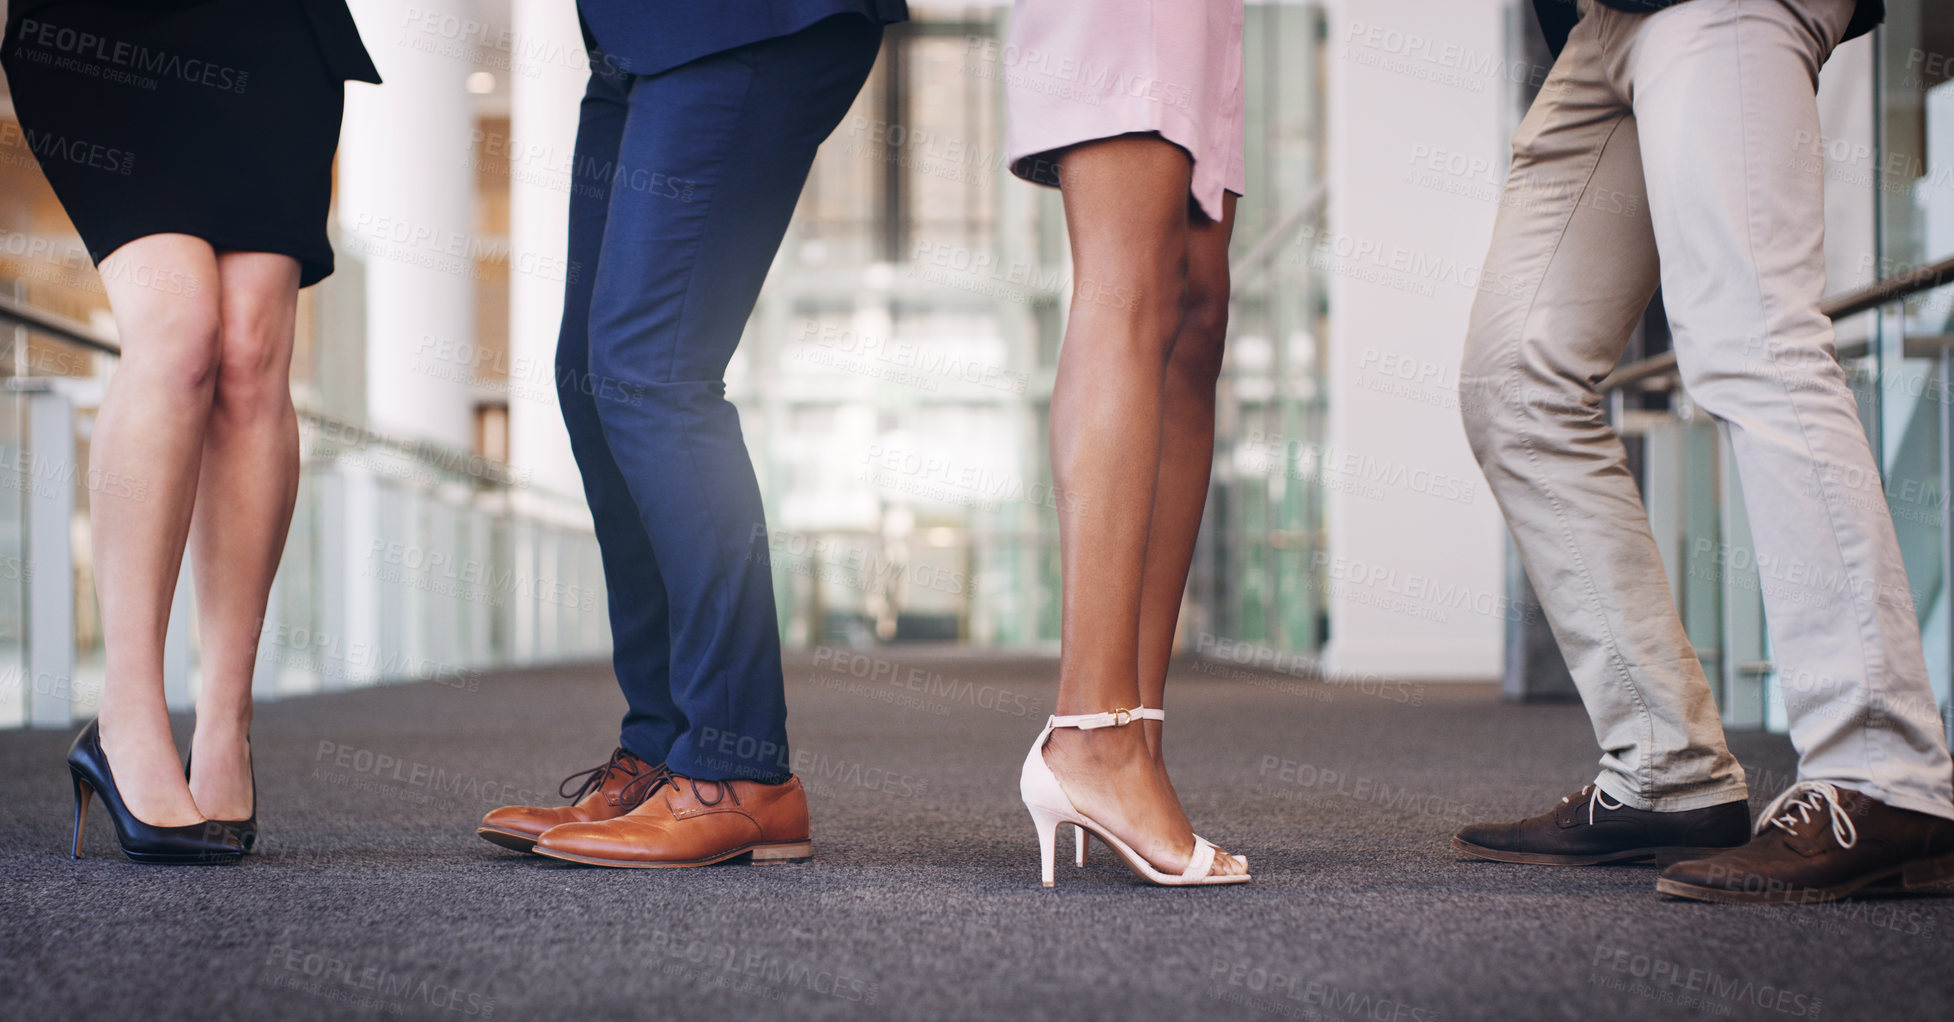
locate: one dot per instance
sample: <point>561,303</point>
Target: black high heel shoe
<point>245,830</point>
<point>197,843</point>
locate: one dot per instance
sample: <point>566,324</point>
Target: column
<point>406,210</point>
<point>546,85</point>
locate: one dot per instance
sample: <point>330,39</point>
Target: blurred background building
<point>895,378</point>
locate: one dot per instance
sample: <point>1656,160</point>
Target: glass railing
<point>407,560</point>
<point>988,588</point>
<point>895,395</point>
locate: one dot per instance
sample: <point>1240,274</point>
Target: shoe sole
<point>513,840</point>
<point>756,855</point>
<point>1664,855</point>
<point>1921,873</point>
<point>154,859</point>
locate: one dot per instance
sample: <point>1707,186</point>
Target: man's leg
<point>640,617</point>
<point>1571,270</point>
<point>713,159</point>
<point>714,156</point>
<point>639,607</point>
<point>1723,89</point>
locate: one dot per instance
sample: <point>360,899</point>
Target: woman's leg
<point>244,511</point>
<point>1186,453</point>
<point>1126,216</point>
<point>147,446</point>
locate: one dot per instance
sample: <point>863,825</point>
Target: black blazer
<point>1557,17</point>
<point>332,25</point>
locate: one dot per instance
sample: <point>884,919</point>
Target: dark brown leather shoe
<point>606,792</point>
<point>1588,828</point>
<point>694,823</point>
<point>1819,842</point>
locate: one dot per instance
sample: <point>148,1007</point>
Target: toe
<point>1491,835</point>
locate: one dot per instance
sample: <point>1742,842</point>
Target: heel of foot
<point>1928,871</point>
<point>774,855</point>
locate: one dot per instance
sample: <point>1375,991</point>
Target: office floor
<point>372,897</point>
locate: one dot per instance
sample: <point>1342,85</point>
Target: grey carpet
<point>374,899</point>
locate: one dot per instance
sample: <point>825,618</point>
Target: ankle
<point>119,725</point>
<point>1099,747</point>
<point>221,728</point>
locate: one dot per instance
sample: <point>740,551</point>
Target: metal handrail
<point>454,459</point>
<point>73,331</point>
<point>1878,293</point>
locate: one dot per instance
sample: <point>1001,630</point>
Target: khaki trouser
<point>1663,147</point>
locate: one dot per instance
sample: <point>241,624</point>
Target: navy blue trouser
<point>682,189</point>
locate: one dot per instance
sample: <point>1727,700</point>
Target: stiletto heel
<point>245,830</point>
<point>83,793</point>
<point>1079,833</point>
<point>1047,824</point>
<point>1049,806</point>
<point>204,842</point>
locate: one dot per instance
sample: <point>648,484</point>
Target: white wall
<point>1420,110</point>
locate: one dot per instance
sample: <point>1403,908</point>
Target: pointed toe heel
<point>204,843</point>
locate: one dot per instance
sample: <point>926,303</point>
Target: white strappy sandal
<point>1049,807</point>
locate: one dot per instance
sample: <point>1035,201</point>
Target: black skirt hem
<point>312,269</point>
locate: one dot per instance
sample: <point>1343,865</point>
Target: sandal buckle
<point>1122,717</point>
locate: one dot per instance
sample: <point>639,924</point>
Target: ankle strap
<point>1117,718</point>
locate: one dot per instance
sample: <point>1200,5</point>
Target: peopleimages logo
<point>95,53</point>
<point>61,149</point>
<point>924,682</point>
<point>330,976</point>
<point>1659,977</point>
<point>1290,993</point>
<point>1276,661</point>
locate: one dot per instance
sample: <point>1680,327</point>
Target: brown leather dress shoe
<point>1588,828</point>
<point>1819,842</point>
<point>606,792</point>
<point>694,823</point>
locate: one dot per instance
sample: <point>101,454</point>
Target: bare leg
<point>1186,454</point>
<point>1126,216</point>
<point>148,440</point>
<point>244,511</point>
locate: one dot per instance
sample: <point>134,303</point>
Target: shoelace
<point>720,792</point>
<point>640,787</point>
<point>1597,798</point>
<point>1805,799</point>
